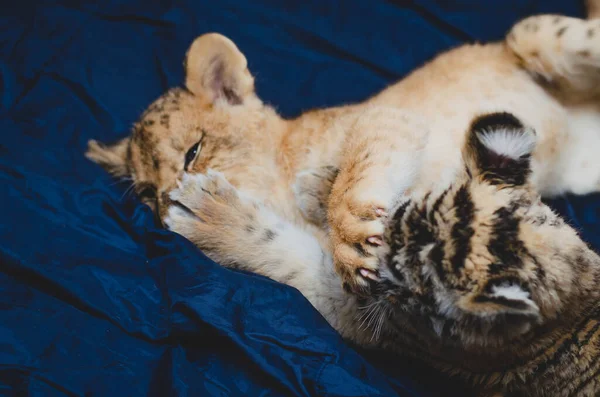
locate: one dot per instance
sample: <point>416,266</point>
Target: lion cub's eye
<point>191,155</point>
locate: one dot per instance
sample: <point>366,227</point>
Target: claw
<point>371,275</point>
<point>381,212</point>
<point>375,240</point>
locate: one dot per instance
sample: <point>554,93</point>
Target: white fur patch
<point>512,292</point>
<point>509,142</point>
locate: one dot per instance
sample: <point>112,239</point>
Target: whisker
<point>369,305</point>
<point>374,317</point>
<point>380,323</point>
<point>127,191</point>
<point>121,180</point>
<point>364,311</point>
<point>366,322</point>
<point>366,314</point>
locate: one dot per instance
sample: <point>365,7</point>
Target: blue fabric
<point>94,299</point>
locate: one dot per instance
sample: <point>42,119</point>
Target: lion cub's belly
<point>455,88</point>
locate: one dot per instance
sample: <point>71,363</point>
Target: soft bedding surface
<point>95,300</point>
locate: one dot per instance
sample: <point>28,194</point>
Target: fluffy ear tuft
<point>113,158</point>
<point>506,297</point>
<point>503,307</point>
<point>507,143</point>
<point>499,149</point>
<point>500,297</point>
<point>216,70</point>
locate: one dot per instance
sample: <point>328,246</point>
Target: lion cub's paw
<point>208,210</point>
<point>356,237</point>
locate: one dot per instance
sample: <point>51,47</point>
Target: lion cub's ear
<point>216,70</point>
<point>113,158</point>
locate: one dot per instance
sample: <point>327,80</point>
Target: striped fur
<point>447,258</point>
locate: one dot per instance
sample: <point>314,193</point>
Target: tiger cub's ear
<point>498,149</point>
<point>506,303</point>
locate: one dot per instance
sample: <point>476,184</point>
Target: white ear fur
<point>513,292</point>
<point>508,298</point>
<point>508,142</point>
<point>217,70</point>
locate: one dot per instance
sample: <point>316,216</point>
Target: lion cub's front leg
<point>380,162</point>
<point>238,231</point>
<point>213,215</point>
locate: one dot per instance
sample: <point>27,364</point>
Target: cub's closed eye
<point>191,155</point>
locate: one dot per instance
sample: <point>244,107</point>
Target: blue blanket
<point>97,301</point>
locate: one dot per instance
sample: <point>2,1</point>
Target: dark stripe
<point>514,304</point>
<point>538,355</point>
<point>396,239</point>
<point>399,214</point>
<point>396,236</point>
<point>436,255</point>
<point>570,343</point>
<point>494,121</point>
<point>391,263</point>
<point>427,298</point>
<point>419,233</point>
<point>586,381</point>
<point>361,250</point>
<point>436,207</point>
<point>501,170</point>
<point>561,31</point>
<point>462,232</point>
<point>505,243</point>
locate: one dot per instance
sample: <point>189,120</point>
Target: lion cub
<point>545,74</point>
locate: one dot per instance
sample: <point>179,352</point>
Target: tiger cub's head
<point>485,261</point>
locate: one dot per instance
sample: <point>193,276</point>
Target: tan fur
<point>593,8</point>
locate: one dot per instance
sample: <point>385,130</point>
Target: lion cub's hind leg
<point>564,51</point>
<point>593,8</point>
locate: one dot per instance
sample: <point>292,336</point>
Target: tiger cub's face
<point>485,261</point>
